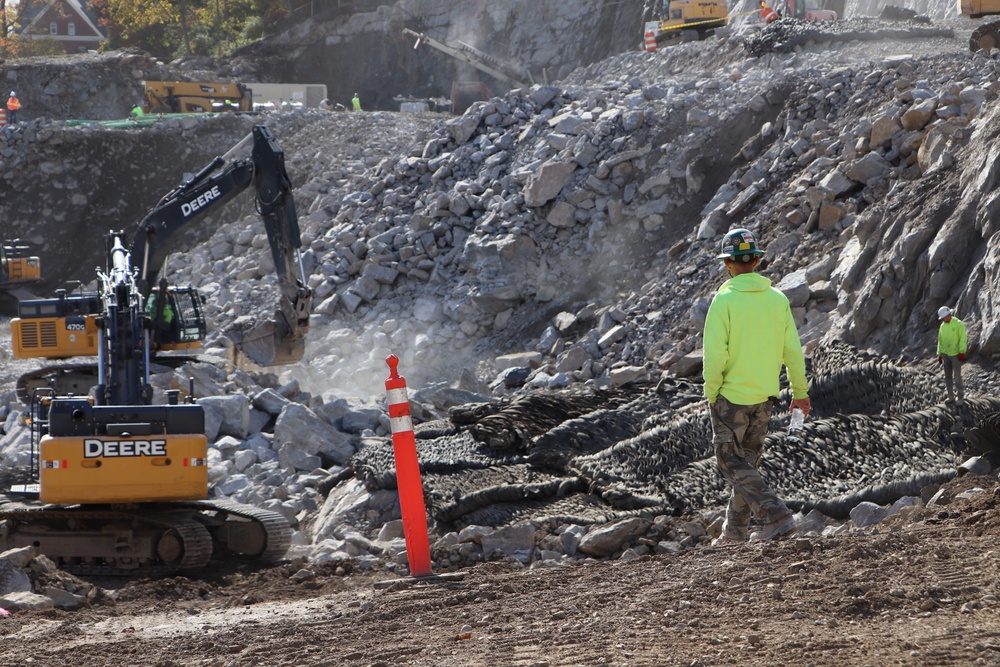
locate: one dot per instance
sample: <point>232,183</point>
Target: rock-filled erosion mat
<point>878,431</point>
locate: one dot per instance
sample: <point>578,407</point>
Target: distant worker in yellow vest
<point>953,344</point>
<point>356,102</point>
<point>137,112</point>
<point>13,106</point>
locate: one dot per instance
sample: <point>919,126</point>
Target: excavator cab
<point>179,324</point>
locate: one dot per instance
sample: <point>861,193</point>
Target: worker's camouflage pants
<point>738,435</point>
<point>953,376</point>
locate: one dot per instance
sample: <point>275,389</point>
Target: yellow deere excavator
<point>986,36</point>
<point>69,325</point>
<point>125,480</point>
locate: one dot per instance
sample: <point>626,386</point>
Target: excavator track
<point>148,541</point>
<point>267,544</point>
<point>76,379</point>
<point>986,37</point>
<point>66,380</point>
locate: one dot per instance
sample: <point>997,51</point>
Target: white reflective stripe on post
<point>395,396</point>
<point>400,424</point>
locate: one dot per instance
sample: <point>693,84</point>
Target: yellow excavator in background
<point>690,20</point>
<point>195,97</point>
<point>986,36</point>
<point>125,480</point>
<point>18,268</point>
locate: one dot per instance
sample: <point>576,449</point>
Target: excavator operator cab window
<point>190,322</point>
<point>182,319</point>
<point>168,323</point>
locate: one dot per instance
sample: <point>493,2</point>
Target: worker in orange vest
<point>13,104</point>
<point>767,13</point>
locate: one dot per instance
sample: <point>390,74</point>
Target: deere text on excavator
<point>125,480</point>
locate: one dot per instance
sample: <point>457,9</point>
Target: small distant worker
<point>953,343</point>
<point>13,106</point>
<point>137,111</point>
<point>356,102</point>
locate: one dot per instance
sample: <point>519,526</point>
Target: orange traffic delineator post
<point>3,117</point>
<point>650,40</point>
<point>411,489</point>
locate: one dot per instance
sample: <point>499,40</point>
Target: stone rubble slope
<point>563,236</point>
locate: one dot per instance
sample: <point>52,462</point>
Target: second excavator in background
<point>18,268</point>
<point>124,478</point>
<point>689,20</point>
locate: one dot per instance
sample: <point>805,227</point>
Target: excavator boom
<point>280,340</point>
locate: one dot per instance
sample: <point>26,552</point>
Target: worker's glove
<point>939,358</point>
<point>961,357</point>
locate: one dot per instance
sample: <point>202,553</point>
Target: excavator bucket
<point>267,343</point>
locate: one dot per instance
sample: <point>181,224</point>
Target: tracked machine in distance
<point>986,36</point>
<point>124,481</point>
<point>18,268</point>
<point>195,97</point>
<point>688,20</point>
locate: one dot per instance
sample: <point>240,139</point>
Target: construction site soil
<point>925,594</point>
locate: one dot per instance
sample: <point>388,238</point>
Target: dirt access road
<point>919,590</point>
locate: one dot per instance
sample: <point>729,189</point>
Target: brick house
<point>65,21</point>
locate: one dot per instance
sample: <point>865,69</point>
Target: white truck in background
<point>274,95</point>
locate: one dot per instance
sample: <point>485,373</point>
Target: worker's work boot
<point>730,535</point>
<point>775,530</point>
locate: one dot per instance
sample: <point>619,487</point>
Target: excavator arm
<point>270,342</point>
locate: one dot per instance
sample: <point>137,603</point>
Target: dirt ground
<point>920,589</point>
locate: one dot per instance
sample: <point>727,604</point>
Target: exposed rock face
<point>368,53</point>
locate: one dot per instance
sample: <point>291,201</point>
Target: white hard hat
<point>944,311</point>
<point>13,94</point>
